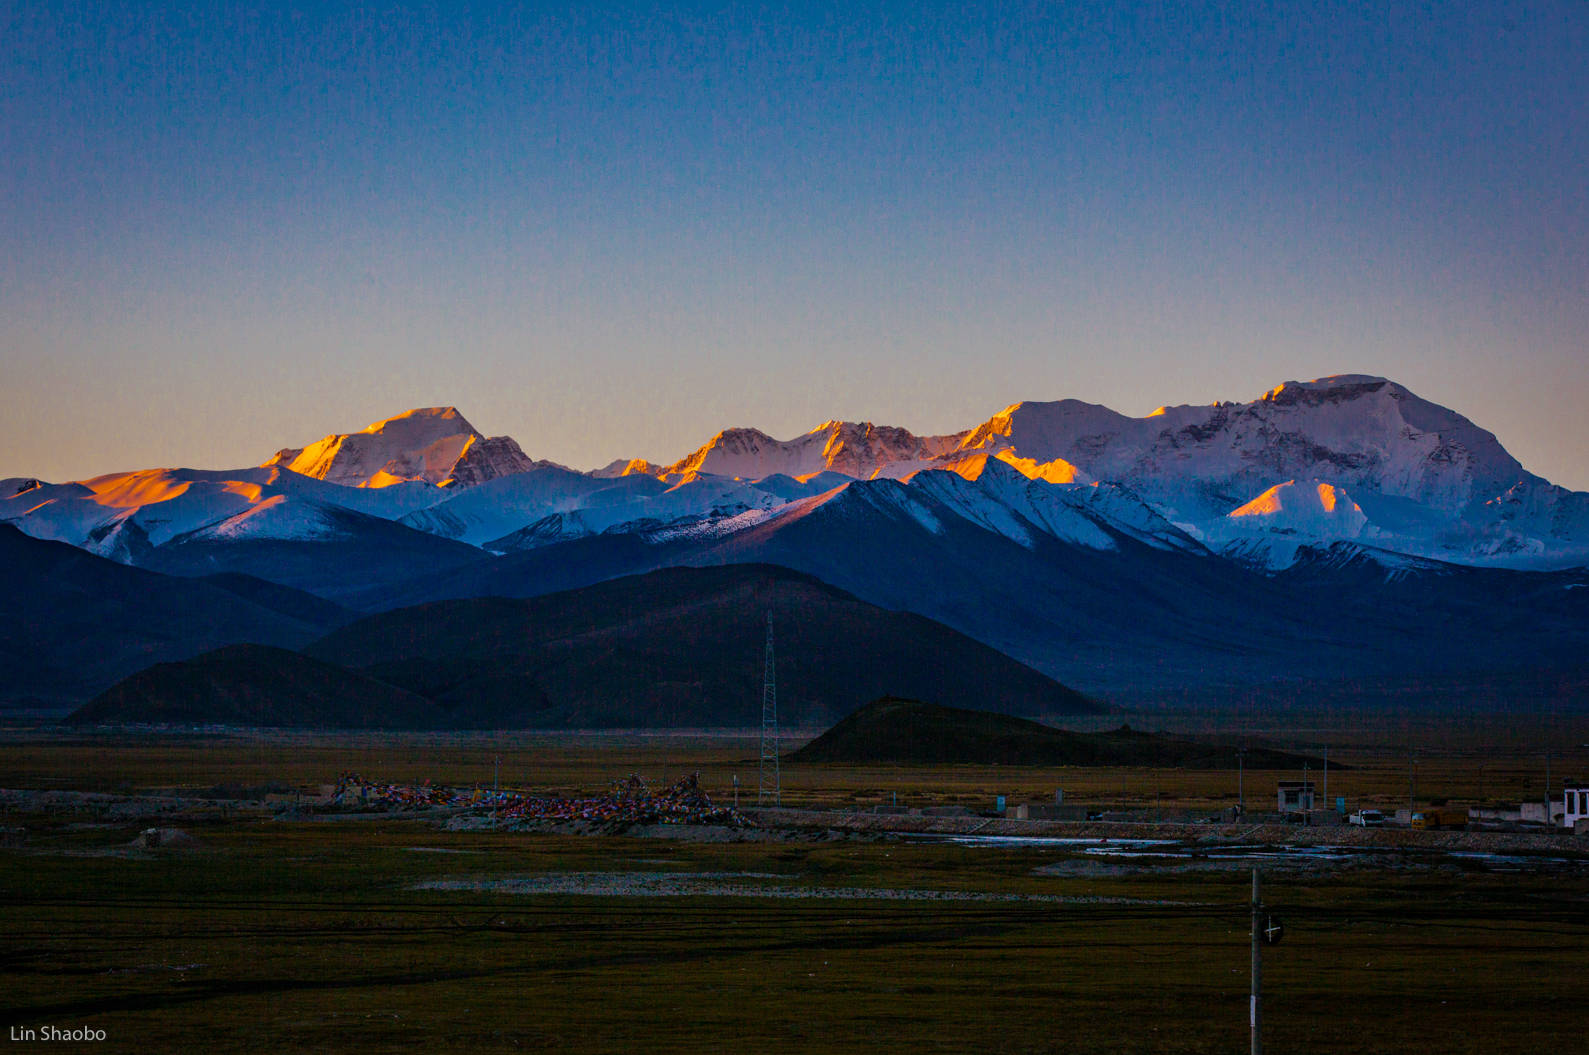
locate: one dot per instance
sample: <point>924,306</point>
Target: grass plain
<point>280,935</point>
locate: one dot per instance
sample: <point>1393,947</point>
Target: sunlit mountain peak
<point>444,414</point>
<point>1327,384</point>
<point>621,467</point>
<point>433,445</point>
<point>1294,497</point>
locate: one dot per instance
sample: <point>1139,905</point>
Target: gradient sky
<point>610,233</point>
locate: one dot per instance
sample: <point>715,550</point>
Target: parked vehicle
<point>1434,818</point>
<point>1367,819</point>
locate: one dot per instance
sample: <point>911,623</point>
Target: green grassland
<point>276,935</point>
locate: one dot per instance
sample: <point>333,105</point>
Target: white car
<point>1367,819</point>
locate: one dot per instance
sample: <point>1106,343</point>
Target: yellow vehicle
<point>1440,818</point>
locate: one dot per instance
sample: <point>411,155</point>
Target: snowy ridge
<point>488,514</point>
<point>705,528</point>
<point>19,485</point>
<point>1428,480</point>
<point>121,515</point>
<point>859,450</point>
<point>1347,556</point>
<point>1292,507</point>
<point>1349,458</point>
<point>997,494</point>
<point>621,467</point>
<point>1269,530</point>
<point>1348,430</point>
<point>274,517</point>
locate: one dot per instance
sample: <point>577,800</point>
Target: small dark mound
<point>895,730</point>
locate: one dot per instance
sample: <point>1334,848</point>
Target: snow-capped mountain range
<point>1350,458</point>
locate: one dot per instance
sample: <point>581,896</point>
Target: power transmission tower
<point>770,786</point>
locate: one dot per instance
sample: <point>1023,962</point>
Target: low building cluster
<point>630,801</point>
<point>1570,811</point>
<point>1296,802</point>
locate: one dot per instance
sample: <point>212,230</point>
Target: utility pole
<point>1547,787</point>
<point>1255,1003</point>
<point>769,786</point>
<point>1241,802</point>
<point>1412,787</point>
<point>1327,805</point>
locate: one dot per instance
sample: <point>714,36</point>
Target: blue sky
<point>611,232</point>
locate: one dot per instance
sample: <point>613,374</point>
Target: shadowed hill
<point>681,647</point>
<point>301,605</point>
<point>909,731</point>
<point>72,623</point>
<point>359,551</point>
<point>1133,619</point>
<point>254,685</point>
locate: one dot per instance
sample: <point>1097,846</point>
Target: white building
<point>1575,804</point>
<point>1295,796</point>
<point>1535,812</point>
